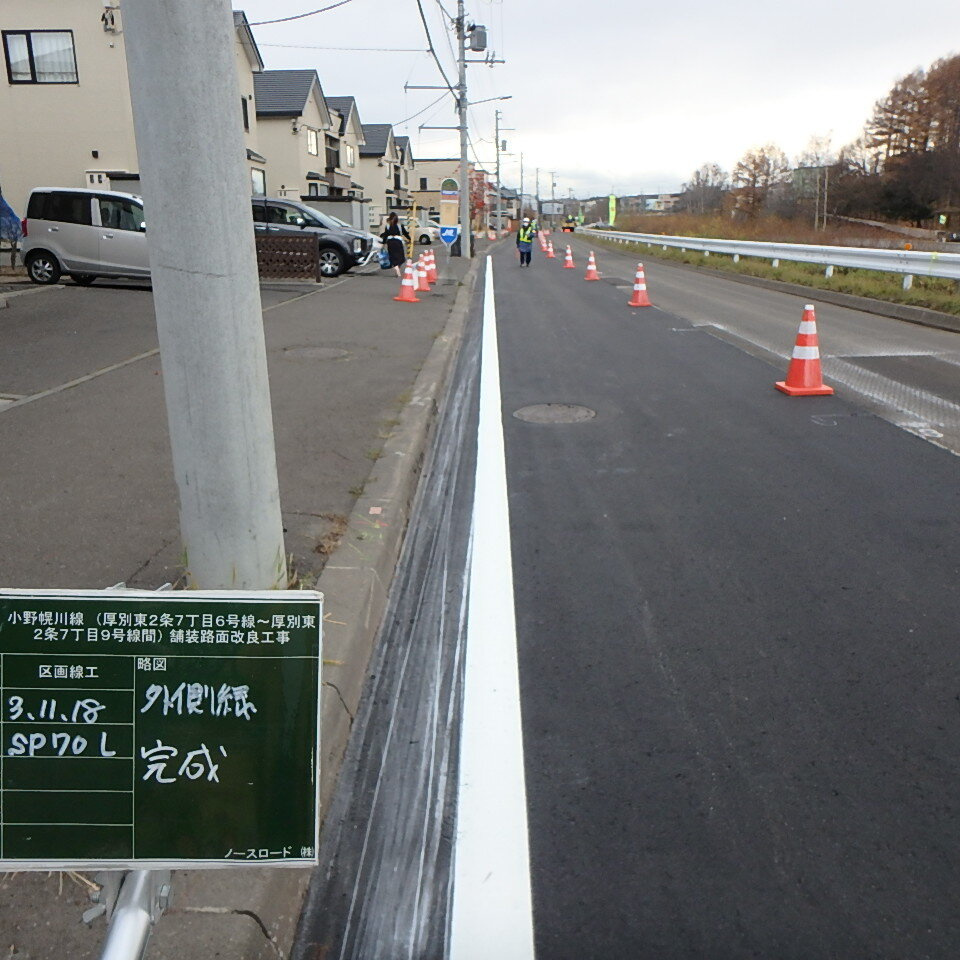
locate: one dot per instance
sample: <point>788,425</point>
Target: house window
<point>313,190</point>
<point>423,183</point>
<point>351,155</point>
<point>40,56</point>
<point>312,145</point>
<point>246,114</point>
<point>258,182</point>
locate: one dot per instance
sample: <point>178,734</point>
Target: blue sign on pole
<point>449,234</point>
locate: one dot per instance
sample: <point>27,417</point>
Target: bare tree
<point>901,121</point>
<point>703,193</point>
<point>756,174</point>
<point>818,153</point>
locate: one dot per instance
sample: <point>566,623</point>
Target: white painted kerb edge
<point>492,915</point>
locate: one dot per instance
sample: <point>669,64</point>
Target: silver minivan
<point>84,233</point>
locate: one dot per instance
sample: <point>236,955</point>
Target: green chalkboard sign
<point>171,730</point>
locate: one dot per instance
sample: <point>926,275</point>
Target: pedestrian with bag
<point>525,237</point>
<point>395,236</point>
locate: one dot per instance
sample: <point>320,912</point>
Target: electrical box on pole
<point>478,38</point>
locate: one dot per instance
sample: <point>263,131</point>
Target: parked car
<point>102,233</point>
<point>341,245</point>
<point>428,232</point>
<point>84,233</point>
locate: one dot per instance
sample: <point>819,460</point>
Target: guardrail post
<point>828,272</point>
<point>775,264</point>
<point>736,258</point>
<point>908,281</point>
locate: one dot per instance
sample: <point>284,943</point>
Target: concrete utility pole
<point>521,184</point>
<point>537,193</point>
<point>466,231</point>
<point>496,120</point>
<point>196,188</point>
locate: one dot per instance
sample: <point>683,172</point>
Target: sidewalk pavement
<point>355,382</point>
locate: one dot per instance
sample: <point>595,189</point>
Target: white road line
<point>492,915</point>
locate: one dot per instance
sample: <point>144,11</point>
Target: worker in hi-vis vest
<point>525,236</point>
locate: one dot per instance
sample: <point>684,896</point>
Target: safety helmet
<point>526,220</point>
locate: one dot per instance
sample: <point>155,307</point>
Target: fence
<point>908,263</point>
<point>288,257</point>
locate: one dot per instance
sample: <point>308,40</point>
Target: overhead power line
<point>310,46</point>
<point>432,51</point>
<point>300,16</point>
<point>413,116</point>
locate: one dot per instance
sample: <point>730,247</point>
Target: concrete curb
<point>899,311</point>
<point>356,581</point>
<point>355,584</point>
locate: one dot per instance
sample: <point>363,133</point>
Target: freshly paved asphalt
<point>737,626</point>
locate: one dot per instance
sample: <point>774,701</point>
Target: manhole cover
<point>555,413</point>
<point>315,353</point>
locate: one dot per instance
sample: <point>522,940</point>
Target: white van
<point>84,233</point>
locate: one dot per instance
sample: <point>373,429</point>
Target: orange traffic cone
<point>406,286</point>
<point>804,378</point>
<point>568,263</point>
<point>431,267</point>
<point>550,254</point>
<point>639,298</point>
<point>421,284</point>
<point>592,268</point>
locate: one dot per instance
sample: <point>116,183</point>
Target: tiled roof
<point>283,93</point>
<point>404,144</point>
<point>377,136</point>
<point>344,106</point>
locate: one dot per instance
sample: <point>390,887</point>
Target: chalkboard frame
<point>231,709</point>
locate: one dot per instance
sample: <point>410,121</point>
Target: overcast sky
<point>620,95</point>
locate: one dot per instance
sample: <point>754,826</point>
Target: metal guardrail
<point>908,263</point>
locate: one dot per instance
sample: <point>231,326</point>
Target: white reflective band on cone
<point>808,326</point>
<point>806,353</point>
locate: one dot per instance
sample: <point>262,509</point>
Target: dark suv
<point>341,246</point>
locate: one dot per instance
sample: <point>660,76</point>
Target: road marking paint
<point>75,383</point>
<point>492,914</point>
<point>7,404</point>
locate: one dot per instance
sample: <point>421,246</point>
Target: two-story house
<point>382,165</point>
<point>425,182</point>
<point>342,176</point>
<point>294,123</point>
<point>65,99</point>
<point>404,172</point>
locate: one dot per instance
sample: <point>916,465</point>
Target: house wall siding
<point>51,130</point>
